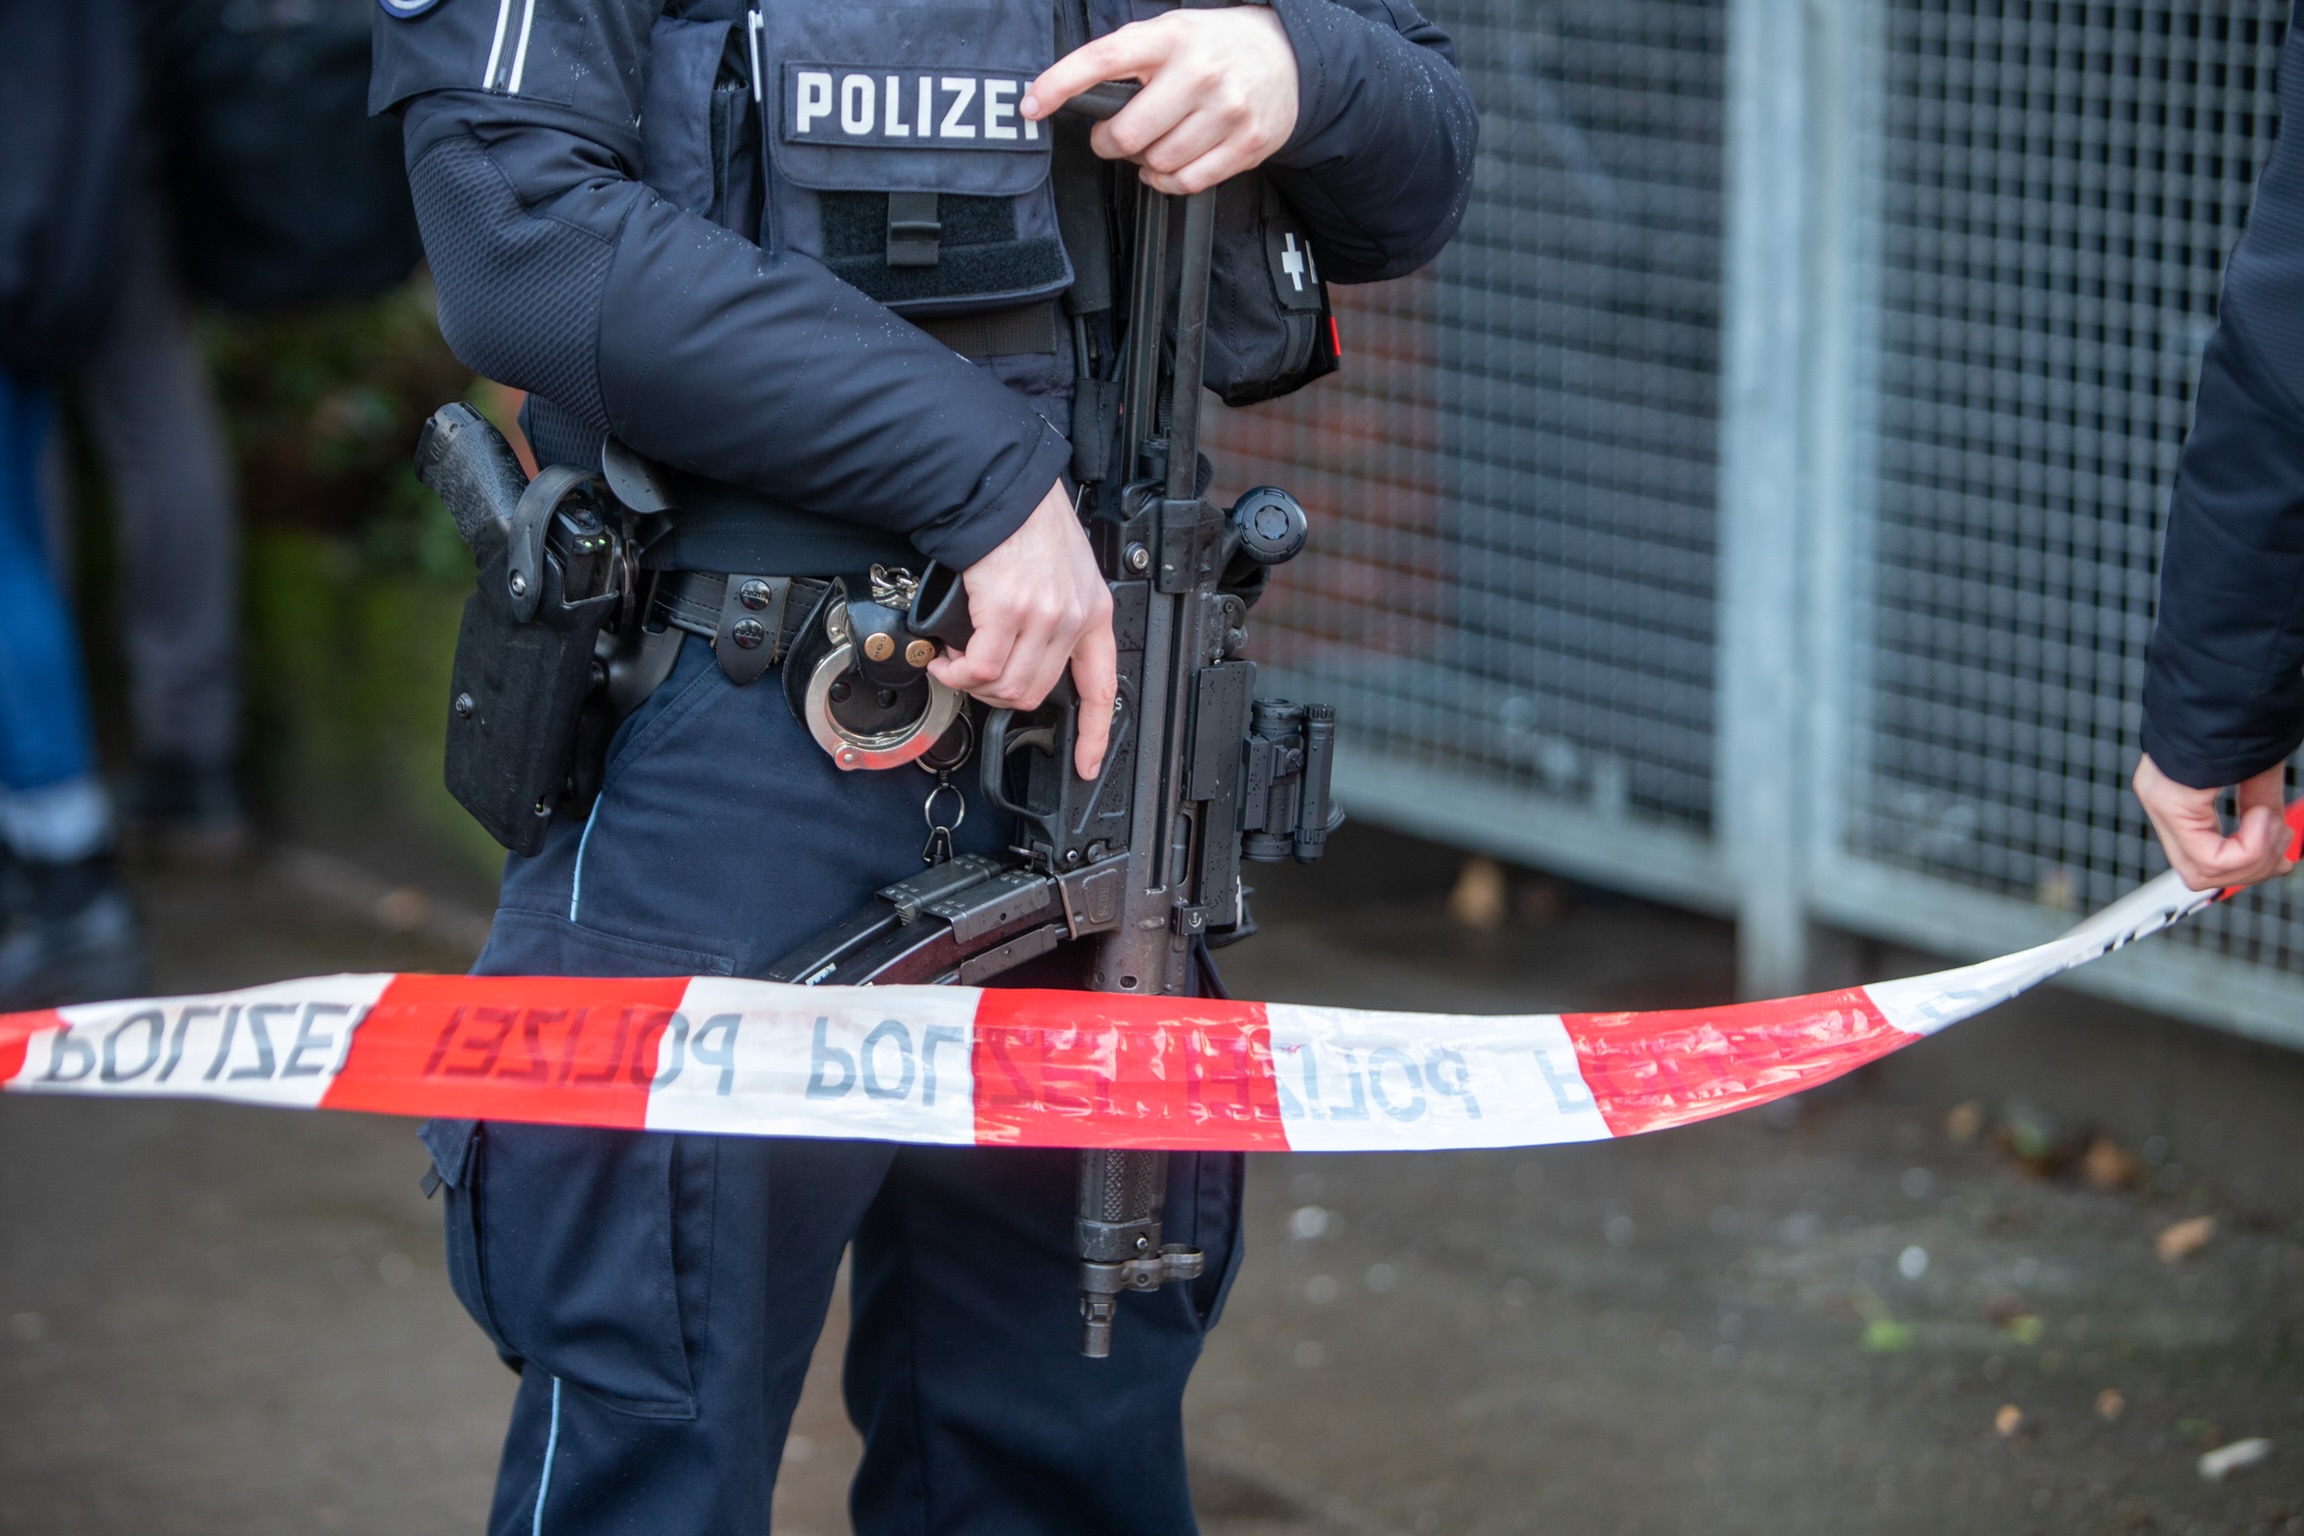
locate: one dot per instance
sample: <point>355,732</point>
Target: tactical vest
<point>895,153</point>
<point>883,140</point>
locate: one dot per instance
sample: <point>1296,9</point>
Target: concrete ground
<point>1864,1312</point>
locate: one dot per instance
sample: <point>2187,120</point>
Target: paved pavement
<point>1814,1320</point>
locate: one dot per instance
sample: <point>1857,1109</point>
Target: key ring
<point>944,759</point>
<point>928,807</point>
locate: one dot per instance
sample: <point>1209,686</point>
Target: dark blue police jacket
<point>604,234</point>
<point>2224,680</point>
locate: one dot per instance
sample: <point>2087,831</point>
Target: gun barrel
<point>1185,388</point>
<point>1118,1220</point>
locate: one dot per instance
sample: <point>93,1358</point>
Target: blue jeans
<point>661,1294</point>
<point>44,736</point>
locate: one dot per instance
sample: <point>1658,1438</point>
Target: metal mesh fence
<point>1512,570</point>
<point>1512,590</point>
<point>2060,186</point>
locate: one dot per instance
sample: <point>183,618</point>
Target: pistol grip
<point>464,460</point>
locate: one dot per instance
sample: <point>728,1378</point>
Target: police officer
<point>810,255</point>
<point>2224,678</point>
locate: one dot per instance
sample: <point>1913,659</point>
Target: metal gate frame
<point>1800,146</point>
<point>1802,286</point>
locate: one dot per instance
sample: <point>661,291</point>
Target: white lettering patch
<point>867,106</point>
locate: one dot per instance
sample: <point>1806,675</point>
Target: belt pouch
<point>517,691</point>
<point>1269,324</point>
<point>897,156</point>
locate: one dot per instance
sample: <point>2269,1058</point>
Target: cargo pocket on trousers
<point>1223,1186</point>
<point>570,1260</point>
<point>455,1148</point>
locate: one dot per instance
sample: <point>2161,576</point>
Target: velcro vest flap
<point>908,97</point>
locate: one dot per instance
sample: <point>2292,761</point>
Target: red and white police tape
<point>1000,1067</point>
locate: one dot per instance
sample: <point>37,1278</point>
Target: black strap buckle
<point>914,232</point>
<point>751,625</point>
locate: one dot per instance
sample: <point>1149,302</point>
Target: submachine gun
<point>1142,862</point>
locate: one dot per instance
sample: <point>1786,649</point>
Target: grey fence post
<point>1840,428</point>
<point>1763,762</point>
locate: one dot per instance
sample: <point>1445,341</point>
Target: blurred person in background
<point>2224,678</point>
<point>265,188</point>
<point>146,399</point>
<point>67,103</point>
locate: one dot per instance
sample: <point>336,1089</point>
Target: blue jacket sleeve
<point>1380,164</point>
<point>558,271</point>
<point>2224,678</point>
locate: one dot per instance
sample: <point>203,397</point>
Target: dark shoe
<point>185,812</point>
<point>71,937</point>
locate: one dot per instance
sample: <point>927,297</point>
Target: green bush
<point>355,575</point>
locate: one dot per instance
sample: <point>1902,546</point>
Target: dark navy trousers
<point>661,1294</point>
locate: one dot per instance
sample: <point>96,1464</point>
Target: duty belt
<point>855,661</point>
<point>750,620</point>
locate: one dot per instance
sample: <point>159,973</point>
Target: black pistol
<point>525,665</point>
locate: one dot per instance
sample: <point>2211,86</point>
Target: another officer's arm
<point>2223,690</point>
<point>1355,109</point>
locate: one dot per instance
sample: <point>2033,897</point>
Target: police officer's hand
<point>1039,604</point>
<point>2193,835</point>
<point>1219,93</point>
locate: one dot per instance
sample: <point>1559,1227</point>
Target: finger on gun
<point>1103,101</point>
<point>1095,736</point>
<point>1103,72</point>
<point>1036,678</point>
<point>1162,108</point>
<point>979,666</point>
<point>1094,662</point>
